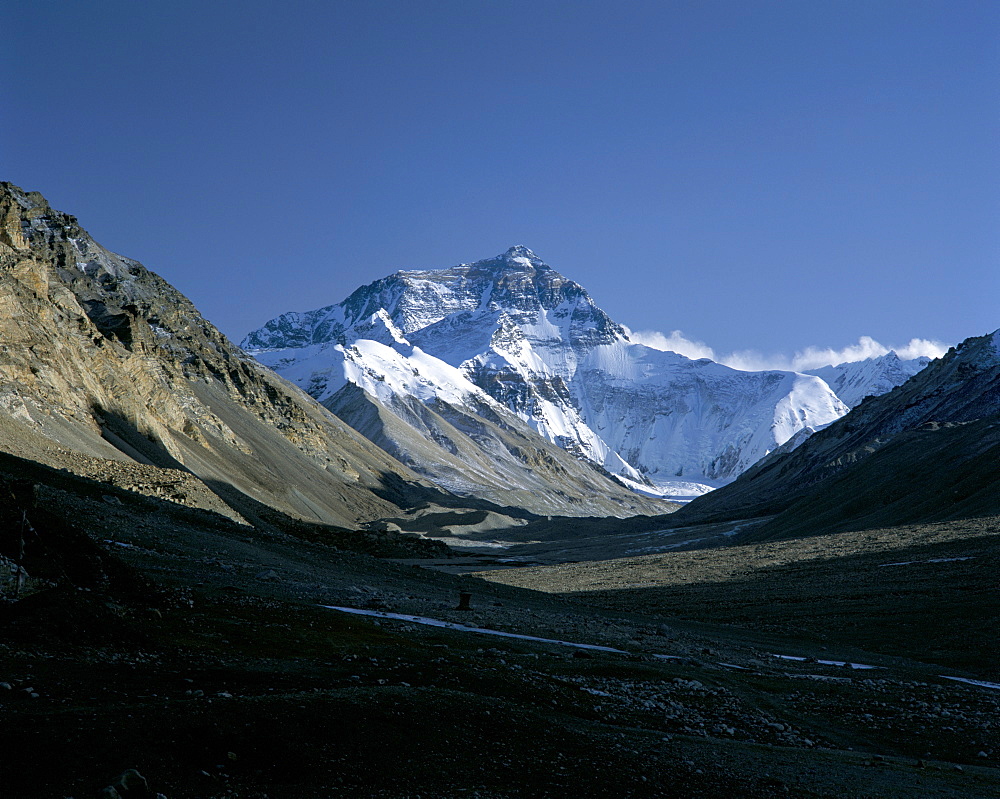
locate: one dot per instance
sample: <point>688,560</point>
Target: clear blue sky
<point>770,174</point>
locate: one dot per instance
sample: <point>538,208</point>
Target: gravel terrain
<point>193,648</point>
<point>924,592</point>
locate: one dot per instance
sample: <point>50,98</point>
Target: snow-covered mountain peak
<point>513,329</point>
<point>535,342</point>
<point>447,305</point>
<point>518,262</point>
<point>517,258</point>
<point>522,256</point>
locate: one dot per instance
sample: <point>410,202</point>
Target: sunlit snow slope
<point>517,331</point>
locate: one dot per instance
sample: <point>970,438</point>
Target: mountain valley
<point>218,582</point>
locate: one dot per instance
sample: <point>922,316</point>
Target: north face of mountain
<point>536,342</point>
<point>103,362</point>
<point>926,451</point>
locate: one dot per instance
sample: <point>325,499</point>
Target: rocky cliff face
<point>101,357</point>
<point>536,343</point>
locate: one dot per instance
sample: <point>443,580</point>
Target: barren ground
<point>192,648</point>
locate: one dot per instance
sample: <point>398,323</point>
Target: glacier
<point>512,331</point>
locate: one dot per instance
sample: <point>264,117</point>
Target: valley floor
<point>200,655</point>
<point>924,592</point>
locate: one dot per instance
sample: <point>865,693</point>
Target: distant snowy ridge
<point>514,331</point>
<point>917,350</point>
<point>854,381</point>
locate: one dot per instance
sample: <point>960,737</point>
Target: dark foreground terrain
<point>196,650</point>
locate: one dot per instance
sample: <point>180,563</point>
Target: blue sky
<point>770,175</point>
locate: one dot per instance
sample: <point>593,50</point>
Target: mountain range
<point>213,583</point>
<point>497,390</point>
<point>511,334</point>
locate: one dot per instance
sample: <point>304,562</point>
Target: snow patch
<point>931,560</point>
<point>381,614</point>
<point>827,662</point>
<point>977,683</point>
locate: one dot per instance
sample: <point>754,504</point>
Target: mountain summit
<point>516,282</point>
<point>521,254</point>
<point>535,342</point>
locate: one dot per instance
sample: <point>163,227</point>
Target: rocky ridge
<point>102,357</point>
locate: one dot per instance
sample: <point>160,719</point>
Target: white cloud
<point>809,358</point>
<point>675,342</point>
<point>922,347</point>
<point>867,347</point>
<point>754,361</point>
<point>815,357</point>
